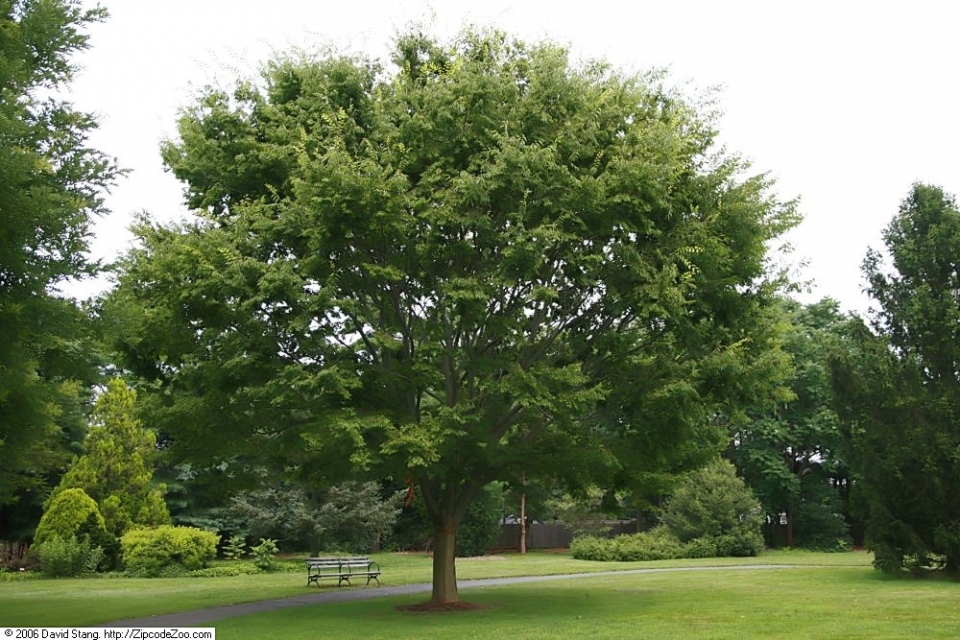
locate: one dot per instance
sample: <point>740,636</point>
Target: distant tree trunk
<point>952,564</point>
<point>791,513</point>
<point>523,523</point>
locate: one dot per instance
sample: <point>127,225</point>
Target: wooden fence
<point>550,535</point>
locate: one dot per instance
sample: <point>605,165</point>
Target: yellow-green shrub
<point>70,513</point>
<point>148,552</point>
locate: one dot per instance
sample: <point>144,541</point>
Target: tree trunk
<point>790,514</point>
<point>444,564</point>
<point>523,523</point>
<point>447,504</point>
<point>952,564</point>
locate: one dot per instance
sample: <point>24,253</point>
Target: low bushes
<point>71,538</point>
<point>656,544</point>
<point>660,544</point>
<point>595,548</point>
<point>152,552</point>
<point>68,557</point>
<point>235,568</point>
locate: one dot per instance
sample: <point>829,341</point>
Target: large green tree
<point>51,184</point>
<point>482,263</point>
<point>899,390</point>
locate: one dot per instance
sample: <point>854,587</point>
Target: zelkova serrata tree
<point>455,271</point>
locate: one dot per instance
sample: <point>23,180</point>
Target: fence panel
<point>542,535</point>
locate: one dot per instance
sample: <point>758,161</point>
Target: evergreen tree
<point>51,185</point>
<point>117,468</point>
<point>899,390</point>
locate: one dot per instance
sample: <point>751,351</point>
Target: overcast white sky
<point>845,102</point>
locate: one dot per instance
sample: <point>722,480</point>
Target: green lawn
<point>834,602</point>
<point>830,595</point>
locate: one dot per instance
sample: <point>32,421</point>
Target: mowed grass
<point>830,595</point>
<point>821,602</point>
<point>89,601</point>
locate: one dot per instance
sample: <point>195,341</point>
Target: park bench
<point>342,568</point>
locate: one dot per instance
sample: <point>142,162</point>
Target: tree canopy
<point>51,185</point>
<point>478,262</point>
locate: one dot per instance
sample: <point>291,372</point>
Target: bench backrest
<point>351,561</point>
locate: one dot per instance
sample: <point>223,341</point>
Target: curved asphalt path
<point>202,617</point>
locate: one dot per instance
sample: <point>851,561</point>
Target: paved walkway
<point>203,617</point>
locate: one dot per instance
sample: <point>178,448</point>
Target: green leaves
<point>716,505</point>
<point>788,446</point>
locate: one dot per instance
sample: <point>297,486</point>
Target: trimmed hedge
<point>660,544</point>
<point>151,552</point>
<point>656,544</point>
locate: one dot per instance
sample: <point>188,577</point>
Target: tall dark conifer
<point>899,392</point>
<point>51,185</point>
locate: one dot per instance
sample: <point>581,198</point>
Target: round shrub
<point>713,503</point>
<point>150,552</point>
<point>71,513</point>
